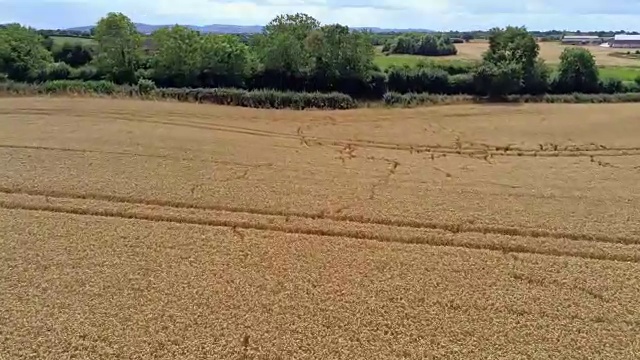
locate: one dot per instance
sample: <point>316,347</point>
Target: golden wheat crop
<point>138,230</point>
<point>550,52</point>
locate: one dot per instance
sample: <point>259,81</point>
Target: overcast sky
<point>425,14</point>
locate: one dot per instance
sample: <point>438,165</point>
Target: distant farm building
<point>581,40</point>
<point>625,41</point>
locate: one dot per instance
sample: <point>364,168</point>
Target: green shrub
<point>498,80</point>
<point>462,84</point>
<point>535,81</point>
<point>260,98</point>
<point>58,71</point>
<point>417,80</point>
<point>146,86</point>
<point>54,71</point>
<point>79,87</point>
<point>423,44</point>
<point>413,99</point>
<point>86,73</point>
<point>4,78</point>
<point>630,86</point>
<point>455,67</point>
<point>611,86</point>
<point>18,88</point>
<point>394,99</point>
<point>577,72</point>
<point>144,74</point>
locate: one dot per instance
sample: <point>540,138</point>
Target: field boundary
<point>303,100</point>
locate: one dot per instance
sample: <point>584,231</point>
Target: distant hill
<point>234,29</point>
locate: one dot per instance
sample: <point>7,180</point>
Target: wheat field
<point>137,230</point>
<point>550,52</point>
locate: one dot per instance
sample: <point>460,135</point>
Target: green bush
<point>417,80</point>
<point>394,99</point>
<point>79,87</point>
<point>18,88</point>
<point>611,86</point>
<point>498,80</point>
<point>535,81</point>
<point>577,72</point>
<point>630,87</point>
<point>4,78</point>
<point>146,86</point>
<point>462,84</point>
<point>412,99</point>
<point>86,73</point>
<point>455,67</point>
<point>423,44</point>
<point>58,71</point>
<point>433,81</point>
<point>144,74</point>
<point>577,98</point>
<point>260,98</point>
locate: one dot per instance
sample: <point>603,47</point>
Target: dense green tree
<point>119,47</point>
<point>467,37</point>
<point>577,72</point>
<point>73,54</point>
<point>225,60</point>
<point>423,44</point>
<point>337,51</point>
<point>47,42</point>
<point>514,47</point>
<point>177,57</point>
<point>282,44</point>
<point>184,57</point>
<point>498,79</point>
<point>22,52</point>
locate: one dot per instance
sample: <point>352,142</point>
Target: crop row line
<point>454,228</point>
<point>357,234</point>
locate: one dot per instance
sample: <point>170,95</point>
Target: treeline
<point>295,53</point>
<point>421,44</point>
<point>382,38</point>
<point>67,33</point>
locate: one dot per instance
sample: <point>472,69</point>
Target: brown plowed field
<point>139,230</point>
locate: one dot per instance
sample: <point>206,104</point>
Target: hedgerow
<point>270,99</point>
<point>296,53</point>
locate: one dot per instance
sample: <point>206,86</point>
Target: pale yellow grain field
<point>136,230</point>
<point>549,51</point>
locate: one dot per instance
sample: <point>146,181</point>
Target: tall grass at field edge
<point>270,99</point>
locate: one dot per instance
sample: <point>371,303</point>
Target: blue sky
<point>429,14</point>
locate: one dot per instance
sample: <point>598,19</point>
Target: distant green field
<point>72,39</point>
<point>385,61</point>
<point>620,72</point>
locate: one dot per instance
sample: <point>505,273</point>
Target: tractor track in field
<point>132,154</point>
<point>463,148</point>
<point>452,228</point>
<point>329,228</point>
<point>83,151</point>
